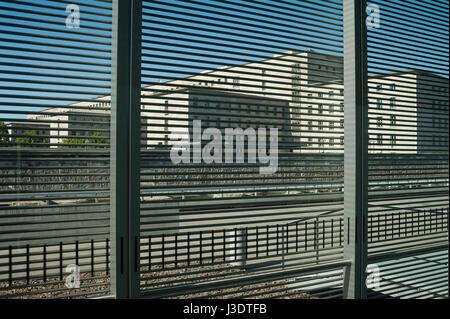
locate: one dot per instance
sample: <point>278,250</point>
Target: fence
<point>173,262</point>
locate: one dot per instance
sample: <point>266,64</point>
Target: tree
<point>97,140</point>
<point>31,139</point>
<point>82,141</point>
<point>4,135</point>
<point>74,140</point>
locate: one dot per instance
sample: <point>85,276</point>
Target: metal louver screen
<point>207,216</point>
<point>180,149</point>
<point>408,148</point>
<point>54,146</point>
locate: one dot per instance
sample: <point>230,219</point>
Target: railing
<point>195,262</point>
<point>42,271</point>
<point>407,224</point>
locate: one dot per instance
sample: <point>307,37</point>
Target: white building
<point>76,120</point>
<point>22,129</point>
<point>408,110</point>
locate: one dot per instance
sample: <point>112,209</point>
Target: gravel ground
<point>157,278</point>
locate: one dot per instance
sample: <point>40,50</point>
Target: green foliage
<point>4,134</point>
<point>79,141</point>
<point>31,139</point>
<point>96,139</point>
<point>82,141</point>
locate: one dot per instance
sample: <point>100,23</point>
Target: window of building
<point>331,142</point>
<point>320,140</point>
<point>341,105</point>
<point>310,123</point>
<point>342,140</point>
<point>331,126</point>
<point>379,87</point>
<point>342,123</point>
<point>320,108</point>
<point>393,86</point>
<point>379,104</point>
<point>331,108</point>
<point>379,121</point>
<point>379,139</point>
<point>320,125</point>
<point>392,102</point>
<point>393,139</point>
<point>296,81</point>
<point>236,82</point>
<point>331,93</point>
<point>310,109</point>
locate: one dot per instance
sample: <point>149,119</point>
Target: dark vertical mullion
<point>125,146</point>
<point>212,245</point>
<point>92,258</point>
<point>107,256</point>
<point>149,252</point>
<point>163,251</point>
<point>257,241</point>
<point>306,235</point>
<point>28,263</point>
<point>189,249</point>
<point>77,256</point>
<point>10,265</point>
<point>224,245</point>
<point>44,267</point>
<point>61,261</point>
<point>355,146</point>
<point>176,250</point>
<point>332,232</point>
<point>246,243</point>
<point>201,247</point>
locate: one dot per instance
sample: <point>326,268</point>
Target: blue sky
<point>17,29</point>
<point>215,33</point>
